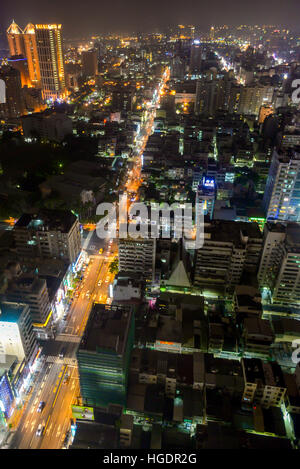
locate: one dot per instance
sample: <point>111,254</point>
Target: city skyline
<point>91,17</point>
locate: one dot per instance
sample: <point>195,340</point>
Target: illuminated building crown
<point>14,29</point>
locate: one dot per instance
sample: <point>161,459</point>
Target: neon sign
<point>208,182</point>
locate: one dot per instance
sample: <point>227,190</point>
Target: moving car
<point>40,430</point>
<point>66,378</point>
<point>62,352</point>
<point>41,406</point>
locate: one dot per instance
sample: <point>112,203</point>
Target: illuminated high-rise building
<point>51,61</point>
<point>31,54</point>
<point>196,57</point>
<point>282,195</point>
<point>186,31</point>
<point>192,29</point>
<point>212,33</point>
<point>23,43</point>
<point>206,195</point>
<point>15,39</point>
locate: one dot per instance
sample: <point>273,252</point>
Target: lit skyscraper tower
<point>15,39</point>
<point>212,33</point>
<point>196,57</point>
<point>192,28</point>
<point>32,54</point>
<point>51,62</point>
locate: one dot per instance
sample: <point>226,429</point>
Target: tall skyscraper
<point>196,57</point>
<point>279,267</point>
<point>15,39</point>
<point>51,60</point>
<point>89,62</point>
<point>282,194</point>
<point>31,54</point>
<point>211,95</point>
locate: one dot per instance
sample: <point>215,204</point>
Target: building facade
<point>137,255</point>
<point>51,60</point>
<point>104,355</point>
<point>282,195</point>
<point>16,331</point>
<point>50,233</point>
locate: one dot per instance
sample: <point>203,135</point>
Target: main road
<point>57,384</point>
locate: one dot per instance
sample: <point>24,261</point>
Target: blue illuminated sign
<point>208,182</point>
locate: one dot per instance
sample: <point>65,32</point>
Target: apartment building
<point>279,267</point>
<point>252,97</point>
<point>33,292</point>
<point>137,255</point>
<point>282,195</point>
<point>230,248</point>
<point>273,240</point>
<point>16,331</point>
<point>48,234</point>
<point>287,287</point>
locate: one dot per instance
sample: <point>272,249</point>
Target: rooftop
<point>107,329</point>
<point>47,220</point>
<point>228,231</point>
<point>92,435</point>
<point>11,312</point>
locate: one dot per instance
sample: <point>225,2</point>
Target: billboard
<point>82,413</point>
<point>6,395</point>
<point>165,345</point>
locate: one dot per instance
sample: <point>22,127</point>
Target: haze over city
<point>92,16</point>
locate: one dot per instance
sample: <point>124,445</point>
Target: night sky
<point>81,17</point>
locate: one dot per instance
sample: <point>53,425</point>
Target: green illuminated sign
<point>82,413</point>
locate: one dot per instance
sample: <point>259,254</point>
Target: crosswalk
<point>61,361</point>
